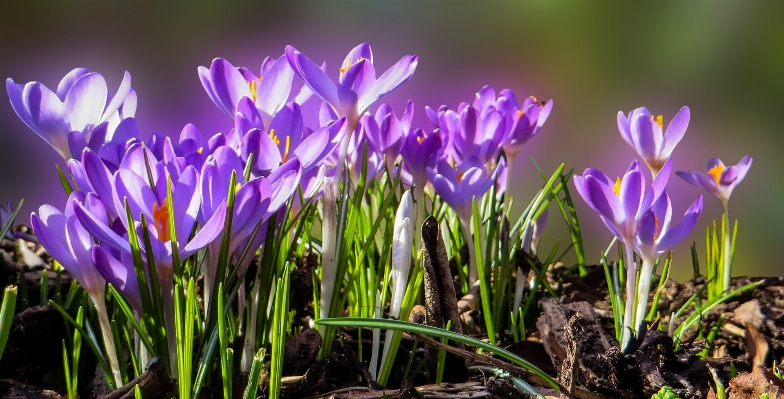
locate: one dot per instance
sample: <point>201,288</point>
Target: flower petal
<point>85,101</point>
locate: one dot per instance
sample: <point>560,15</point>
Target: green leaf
<point>6,315</point>
<point>439,333</point>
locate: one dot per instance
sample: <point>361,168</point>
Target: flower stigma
<point>160,215</point>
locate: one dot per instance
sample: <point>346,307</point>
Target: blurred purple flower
<point>522,122</point>
<point>386,132</point>
<point>720,180</point>
<point>422,151</point>
<point>68,118</point>
<point>459,186</point>
<point>643,132</point>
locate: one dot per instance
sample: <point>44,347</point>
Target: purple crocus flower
<point>227,85</point>
<point>480,133</point>
<point>643,132</point>
<point>458,188</point>
<point>68,242</point>
<point>357,89</point>
<point>621,202</point>
<point>655,236</point>
<point>386,132</point>
<point>119,273</point>
<point>358,86</point>
<point>420,152</point>
<point>287,138</point>
<point>621,205</point>
<point>522,122</point>
<point>720,180</point>
<point>80,105</point>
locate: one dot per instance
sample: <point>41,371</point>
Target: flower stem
<point>473,273</point>
<point>643,289</point>
<point>631,279</point>
<point>727,249</point>
<point>108,340</point>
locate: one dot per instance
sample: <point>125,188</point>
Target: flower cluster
<point>177,191</point>
<point>640,215</point>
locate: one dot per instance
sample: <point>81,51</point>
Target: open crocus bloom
<point>622,202</point>
<point>227,85</point>
<point>720,180</point>
<point>358,88</point>
<point>643,132</point>
<point>81,103</point>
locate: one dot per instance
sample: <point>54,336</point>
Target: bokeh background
<point>724,59</point>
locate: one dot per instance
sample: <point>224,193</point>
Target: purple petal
<point>208,232</point>
<point>121,276</point>
<point>69,80</point>
<point>679,232</point>
<point>85,101</point>
<point>389,81</point>
<point>675,131</point>
<point>642,134</point>
<point>313,76</point>
<point>274,89</point>
<point>99,230</point>
<point>120,97</point>
<point>624,128</point>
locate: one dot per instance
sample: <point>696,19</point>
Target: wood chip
<point>756,345</point>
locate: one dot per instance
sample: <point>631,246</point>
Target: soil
<point>752,335</point>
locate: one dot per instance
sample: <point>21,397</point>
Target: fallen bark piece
<point>154,383</point>
<point>592,341</point>
<point>568,372</point>
<point>435,391</point>
<point>753,385</point>
<point>655,350</point>
<point>756,345</point>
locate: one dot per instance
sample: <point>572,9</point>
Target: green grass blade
<point>6,315</point>
<point>439,333</point>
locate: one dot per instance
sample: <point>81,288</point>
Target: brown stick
<point>154,383</point>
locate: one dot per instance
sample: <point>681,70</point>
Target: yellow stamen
<point>520,113</point>
<point>237,187</point>
<point>252,87</point>
<point>459,177</point>
<point>160,216</point>
<point>274,137</point>
<point>286,150</point>
<point>534,98</point>
<point>420,139</point>
<point>659,120</point>
<point>716,172</point>
<point>617,186</point>
<point>200,150</point>
<point>348,64</point>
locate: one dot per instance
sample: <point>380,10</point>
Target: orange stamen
<point>716,172</point>
<point>160,215</point>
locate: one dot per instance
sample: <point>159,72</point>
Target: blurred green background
<point>725,60</point>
